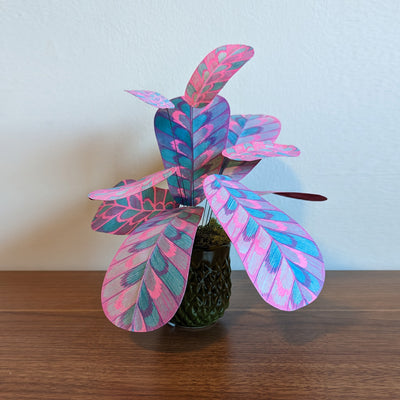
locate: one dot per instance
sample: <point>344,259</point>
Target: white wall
<point>328,69</point>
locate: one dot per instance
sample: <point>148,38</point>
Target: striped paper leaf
<point>248,128</point>
<point>214,71</point>
<point>258,150</point>
<point>281,259</point>
<point>192,140</point>
<point>121,217</point>
<point>146,280</point>
<point>153,98</point>
<point>120,192</point>
<point>252,128</point>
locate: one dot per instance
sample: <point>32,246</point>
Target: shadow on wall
<point>50,227</point>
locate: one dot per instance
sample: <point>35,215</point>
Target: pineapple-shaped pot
<point>209,283</point>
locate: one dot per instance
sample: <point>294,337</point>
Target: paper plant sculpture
<point>206,152</point>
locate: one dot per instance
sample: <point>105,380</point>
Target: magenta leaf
<point>147,278</point>
<point>120,192</point>
<point>258,150</point>
<point>214,71</point>
<point>153,98</point>
<point>121,217</point>
<point>280,257</point>
<point>252,128</point>
<point>192,140</point>
<point>294,195</point>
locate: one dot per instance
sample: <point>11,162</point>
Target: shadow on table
<point>311,323</point>
<point>170,339</point>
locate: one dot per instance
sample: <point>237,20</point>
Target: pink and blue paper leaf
<point>214,71</point>
<point>153,98</point>
<point>252,128</point>
<point>282,260</point>
<point>258,150</point>
<point>122,216</point>
<point>146,280</point>
<point>192,140</point>
<point>130,189</point>
<point>205,152</point>
<point>245,129</point>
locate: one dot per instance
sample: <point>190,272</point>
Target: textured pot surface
<point>208,288</point>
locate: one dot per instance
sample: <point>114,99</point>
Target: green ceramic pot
<point>208,289</point>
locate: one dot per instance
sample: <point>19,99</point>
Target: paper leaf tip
<point>282,260</point>
<point>153,98</point>
<point>214,71</point>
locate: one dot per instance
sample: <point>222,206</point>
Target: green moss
<point>211,235</point>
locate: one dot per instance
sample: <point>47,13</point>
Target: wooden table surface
<point>55,343</point>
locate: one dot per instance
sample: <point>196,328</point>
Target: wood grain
<point>55,343</point>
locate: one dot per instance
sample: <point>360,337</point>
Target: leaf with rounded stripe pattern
<point>253,128</point>
<point>146,280</point>
<point>280,257</point>
<point>192,140</point>
<point>244,129</point>
<point>120,192</point>
<point>122,216</point>
<point>214,71</point>
<point>258,150</point>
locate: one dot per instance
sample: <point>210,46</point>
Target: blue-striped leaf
<point>192,139</point>
<point>280,257</point>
